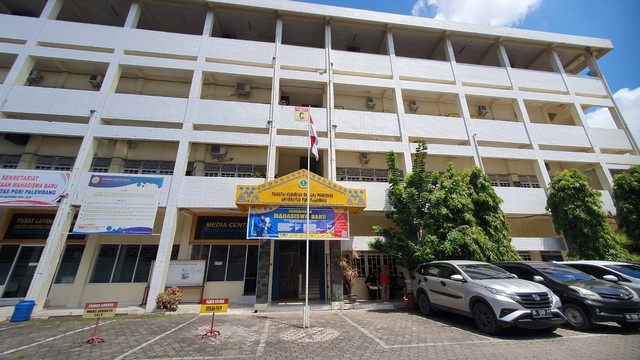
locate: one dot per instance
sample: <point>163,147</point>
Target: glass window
<point>69,264</point>
<point>7,255</point>
<point>126,264</point>
<point>217,262</point>
<point>104,265</point>
<point>147,255</point>
<point>237,257</point>
<point>627,269</point>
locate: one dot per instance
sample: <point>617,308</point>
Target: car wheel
<point>629,326</point>
<point>577,318</point>
<point>485,319</point>
<point>424,304</point>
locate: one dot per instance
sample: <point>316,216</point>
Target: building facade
<point>204,94</point>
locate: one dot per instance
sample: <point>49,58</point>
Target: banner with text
<point>119,204</point>
<point>32,187</point>
<point>291,223</point>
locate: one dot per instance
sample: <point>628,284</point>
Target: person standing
<point>384,282</point>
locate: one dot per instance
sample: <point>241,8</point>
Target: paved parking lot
<point>349,334</point>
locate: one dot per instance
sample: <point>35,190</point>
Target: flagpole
<point>306,311</point>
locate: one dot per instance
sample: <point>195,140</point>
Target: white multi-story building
<point>204,93</point>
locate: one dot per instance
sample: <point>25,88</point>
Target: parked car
<point>619,272</point>
<point>494,298</point>
<point>585,299</point>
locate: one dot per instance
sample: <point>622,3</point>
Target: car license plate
<point>632,317</point>
<point>541,313</point>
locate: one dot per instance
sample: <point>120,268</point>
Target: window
<point>369,262</point>
<point>233,170</point>
<point>9,161</point>
<point>528,181</point>
<point>126,263</point>
<point>500,180</point>
<point>69,264</point>
<point>226,262</point>
<point>524,255</point>
<point>7,256</point>
<point>59,163</point>
<point>364,175</point>
<point>149,167</point>
<point>551,256</point>
<point>100,165</point>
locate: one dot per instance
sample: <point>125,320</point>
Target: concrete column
<point>264,275</point>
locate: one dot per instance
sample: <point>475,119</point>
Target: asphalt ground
<point>347,334</point>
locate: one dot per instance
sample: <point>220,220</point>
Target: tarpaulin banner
<point>291,223</point>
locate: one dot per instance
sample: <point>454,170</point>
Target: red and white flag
<point>313,138</point>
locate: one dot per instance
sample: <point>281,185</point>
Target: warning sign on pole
<point>208,306</point>
<point>100,310</point>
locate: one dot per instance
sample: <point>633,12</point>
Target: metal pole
<point>306,311</point>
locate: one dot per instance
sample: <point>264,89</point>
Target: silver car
<point>494,298</point>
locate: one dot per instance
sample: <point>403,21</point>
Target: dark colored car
<point>585,299</point>
<point>619,272</point>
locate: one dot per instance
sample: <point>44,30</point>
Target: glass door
<point>22,272</point>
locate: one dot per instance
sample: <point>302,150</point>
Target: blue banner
<point>291,223</point>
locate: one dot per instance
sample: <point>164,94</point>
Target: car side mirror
<point>457,277</point>
<point>513,275</point>
<point>610,278</point>
<point>538,279</point>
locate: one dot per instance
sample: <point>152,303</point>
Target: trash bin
<point>22,311</point>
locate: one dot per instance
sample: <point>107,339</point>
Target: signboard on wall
<point>119,204</point>
<point>220,228</point>
<point>291,223</point>
<point>31,226</point>
<point>32,187</point>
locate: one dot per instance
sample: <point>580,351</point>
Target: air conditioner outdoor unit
<point>34,77</point>
<point>370,103</point>
<point>413,105</point>
<point>482,110</point>
<point>364,158</point>
<point>243,89</point>
<point>96,80</point>
<point>218,150</point>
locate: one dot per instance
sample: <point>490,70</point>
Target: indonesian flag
<point>313,138</point>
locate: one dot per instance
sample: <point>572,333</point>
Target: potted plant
<point>349,273</point>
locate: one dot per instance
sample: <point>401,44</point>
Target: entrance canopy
<point>291,190</point>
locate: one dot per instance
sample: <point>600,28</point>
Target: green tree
<point>626,196</point>
<point>454,215</point>
<point>577,213</point>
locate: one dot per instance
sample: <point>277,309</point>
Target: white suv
<point>494,298</point>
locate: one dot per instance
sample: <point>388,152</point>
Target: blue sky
<point>616,20</point>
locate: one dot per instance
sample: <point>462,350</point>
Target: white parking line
<point>154,339</point>
<point>263,338</point>
<point>52,338</point>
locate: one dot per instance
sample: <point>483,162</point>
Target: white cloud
<point>485,12</point>
<point>628,102</point>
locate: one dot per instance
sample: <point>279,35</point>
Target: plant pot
<point>352,298</point>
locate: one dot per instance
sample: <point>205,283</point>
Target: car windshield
<point>627,269</point>
<point>563,273</point>
<point>484,271</point>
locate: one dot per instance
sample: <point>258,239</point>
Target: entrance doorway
<point>22,271</point>
<point>290,272</point>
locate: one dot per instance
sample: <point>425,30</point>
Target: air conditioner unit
<point>243,89</point>
<point>96,80</point>
<point>482,110</point>
<point>413,105</point>
<point>370,103</point>
<point>34,77</point>
<point>364,158</point>
<point>218,150</point>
